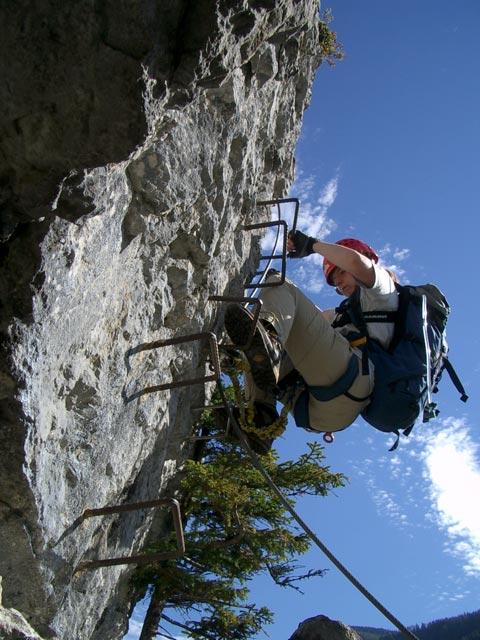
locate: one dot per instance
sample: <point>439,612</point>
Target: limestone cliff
<point>136,139</point>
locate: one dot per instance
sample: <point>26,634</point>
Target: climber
<point>296,356</point>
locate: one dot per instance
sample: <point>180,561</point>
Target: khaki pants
<point>317,352</point>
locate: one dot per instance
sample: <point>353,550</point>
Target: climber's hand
<point>300,245</point>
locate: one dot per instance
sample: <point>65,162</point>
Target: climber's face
<point>344,282</point>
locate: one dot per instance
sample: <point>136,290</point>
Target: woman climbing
<point>296,356</point>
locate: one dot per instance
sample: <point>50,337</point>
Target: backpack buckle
<point>430,411</point>
<point>358,342</point>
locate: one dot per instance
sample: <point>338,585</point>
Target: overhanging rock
<point>136,140</point>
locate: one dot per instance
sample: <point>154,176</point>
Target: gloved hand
<point>301,243</point>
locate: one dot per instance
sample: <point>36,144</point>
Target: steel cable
<point>311,534</point>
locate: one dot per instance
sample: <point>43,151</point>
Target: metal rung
<point>281,256</point>
<point>275,257</point>
<point>279,223</point>
<point>182,383</point>
<point>139,559</point>
<point>279,202</point>
<point>246,301</point>
<point>222,434</point>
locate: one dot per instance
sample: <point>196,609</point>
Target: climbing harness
<point>325,393</point>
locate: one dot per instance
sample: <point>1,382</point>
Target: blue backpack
<point>408,372</point>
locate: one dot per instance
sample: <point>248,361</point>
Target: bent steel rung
<point>138,559</point>
<point>212,436</point>
<point>282,256</point>
<point>281,224</point>
<point>157,344</point>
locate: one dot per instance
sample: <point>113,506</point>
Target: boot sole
<point>238,323</point>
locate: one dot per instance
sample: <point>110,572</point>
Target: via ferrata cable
<point>312,535</point>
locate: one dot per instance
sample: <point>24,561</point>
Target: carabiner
<point>328,437</point>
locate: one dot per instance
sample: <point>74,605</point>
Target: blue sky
<point>390,153</point>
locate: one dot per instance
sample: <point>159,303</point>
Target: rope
<point>247,418</point>
<point>256,462</point>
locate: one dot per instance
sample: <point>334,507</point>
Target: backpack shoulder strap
<point>346,312</point>
<point>400,319</point>
<point>455,379</point>
<point>357,317</point>
<point>350,312</point>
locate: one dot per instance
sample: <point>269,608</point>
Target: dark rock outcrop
<point>13,625</point>
<point>322,628</point>
<point>136,139</point>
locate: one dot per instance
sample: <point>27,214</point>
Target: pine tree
<point>235,528</point>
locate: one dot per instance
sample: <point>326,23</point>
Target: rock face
<point>13,626</point>
<point>322,628</point>
<point>136,140</point>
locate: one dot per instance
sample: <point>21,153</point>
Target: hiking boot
<point>264,354</point>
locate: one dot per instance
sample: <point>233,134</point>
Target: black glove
<point>303,244</point>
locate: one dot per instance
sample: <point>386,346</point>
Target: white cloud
<point>401,254</point>
<point>452,468</point>
<point>388,505</point>
<point>328,194</point>
<point>308,274</point>
<point>391,257</point>
<point>303,187</point>
<point>314,204</point>
<point>447,459</point>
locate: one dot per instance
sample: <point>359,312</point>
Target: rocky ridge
<point>136,141</point>
<point>322,628</point>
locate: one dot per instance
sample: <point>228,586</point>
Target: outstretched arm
<point>349,260</point>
